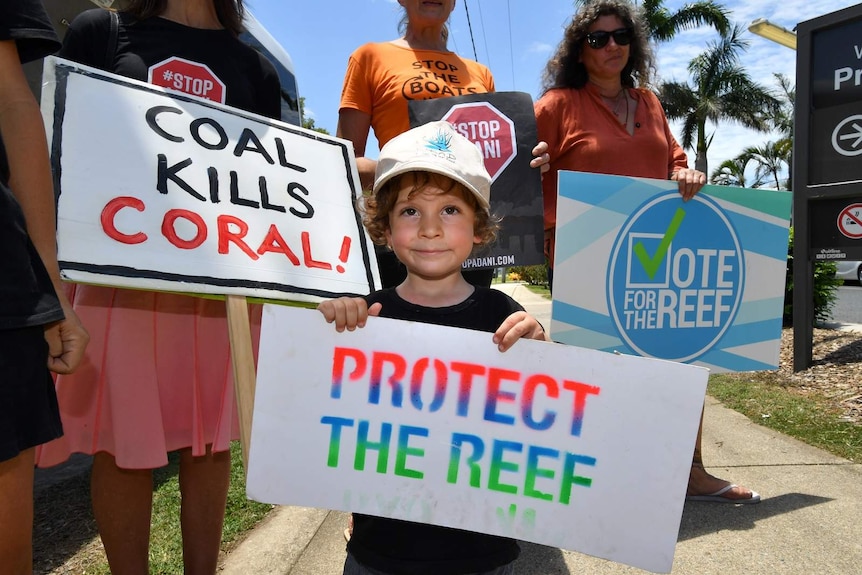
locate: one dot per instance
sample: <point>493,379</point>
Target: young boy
<point>430,206</point>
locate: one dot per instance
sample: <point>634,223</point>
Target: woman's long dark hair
<point>565,70</point>
<point>230,12</point>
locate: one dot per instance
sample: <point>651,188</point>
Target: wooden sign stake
<point>242,358</point>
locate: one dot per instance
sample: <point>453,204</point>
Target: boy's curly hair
<point>375,208</point>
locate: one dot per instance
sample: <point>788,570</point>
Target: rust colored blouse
<point>584,135</point>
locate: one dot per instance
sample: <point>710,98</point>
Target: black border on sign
<point>62,73</point>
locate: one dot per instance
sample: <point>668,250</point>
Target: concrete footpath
<point>809,522</point>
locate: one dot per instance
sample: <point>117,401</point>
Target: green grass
<point>542,290</point>
<point>809,418</point>
<point>166,553</point>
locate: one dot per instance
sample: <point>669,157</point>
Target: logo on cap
<point>440,142</point>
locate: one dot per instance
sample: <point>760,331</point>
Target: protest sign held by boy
<point>430,206</point>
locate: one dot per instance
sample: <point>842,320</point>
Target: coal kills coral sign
<point>165,191</point>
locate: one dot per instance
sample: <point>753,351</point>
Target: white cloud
<point>540,48</point>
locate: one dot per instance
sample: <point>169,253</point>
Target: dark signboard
<point>827,158</point>
<point>836,65</point>
<point>836,228</point>
<point>835,82</point>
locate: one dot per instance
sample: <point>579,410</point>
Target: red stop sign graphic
<point>491,130</point>
<point>189,78</point>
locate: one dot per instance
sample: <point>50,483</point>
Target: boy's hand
<point>518,325</point>
<point>348,312</point>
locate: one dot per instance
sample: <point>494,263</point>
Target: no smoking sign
<point>850,221</point>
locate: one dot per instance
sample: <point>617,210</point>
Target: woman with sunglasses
<point>598,115</point>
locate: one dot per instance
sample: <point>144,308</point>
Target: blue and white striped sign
<point>640,271</point>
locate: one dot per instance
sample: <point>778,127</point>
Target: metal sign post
<point>827,158</point>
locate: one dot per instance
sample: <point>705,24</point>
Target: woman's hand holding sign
<point>690,182</point>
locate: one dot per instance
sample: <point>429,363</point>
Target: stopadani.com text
<point>490,262</point>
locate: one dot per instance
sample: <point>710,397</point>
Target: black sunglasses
<point>600,38</point>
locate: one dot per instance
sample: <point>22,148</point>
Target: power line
<point>511,45</point>
<point>470,27</point>
<point>484,38</point>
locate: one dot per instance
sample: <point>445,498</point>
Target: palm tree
<point>771,158</point>
<point>721,90</point>
<point>783,122</point>
<point>732,172</point>
<point>663,25</point>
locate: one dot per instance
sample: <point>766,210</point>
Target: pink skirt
<point>157,377</point>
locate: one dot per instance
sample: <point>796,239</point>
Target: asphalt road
<point>848,306</point>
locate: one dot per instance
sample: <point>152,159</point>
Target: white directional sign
<point>836,144</point>
<point>847,136</point>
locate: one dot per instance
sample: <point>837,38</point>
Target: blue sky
<point>514,38</point>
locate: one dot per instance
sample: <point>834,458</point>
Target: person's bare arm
<point>355,125</point>
<point>30,180</point>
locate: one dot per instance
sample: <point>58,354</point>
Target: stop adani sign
<point>503,126</point>
<point>491,130</point>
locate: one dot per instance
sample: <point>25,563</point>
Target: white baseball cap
<point>438,148</point>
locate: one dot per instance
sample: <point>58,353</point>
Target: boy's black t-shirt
<point>27,297</point>
<point>250,80</point>
<point>407,548</point>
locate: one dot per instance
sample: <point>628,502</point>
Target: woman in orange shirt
<point>382,77</point>
<point>597,115</point>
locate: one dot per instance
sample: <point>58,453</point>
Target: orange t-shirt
<point>382,77</point>
<point>583,135</point>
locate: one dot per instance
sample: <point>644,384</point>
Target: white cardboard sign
<point>165,191</point>
<point>564,446</point>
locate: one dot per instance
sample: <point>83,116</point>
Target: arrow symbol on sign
<point>857,134</point>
